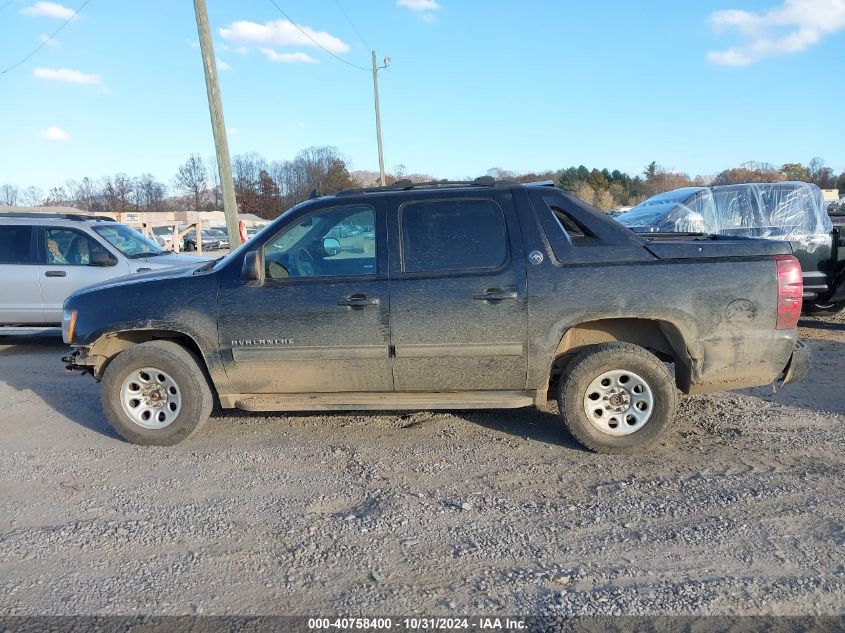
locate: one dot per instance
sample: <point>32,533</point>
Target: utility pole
<point>378,120</point>
<point>215,107</point>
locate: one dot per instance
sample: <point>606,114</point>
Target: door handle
<point>495,294</point>
<point>357,301</point>
<point>56,273</point>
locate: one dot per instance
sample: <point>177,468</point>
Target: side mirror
<point>331,246</point>
<point>253,268</point>
<point>101,258</point>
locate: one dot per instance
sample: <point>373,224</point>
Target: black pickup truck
<point>444,296</point>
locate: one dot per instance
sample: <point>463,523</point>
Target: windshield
<point>129,241</point>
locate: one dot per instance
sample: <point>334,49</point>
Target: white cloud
<point>49,43</point>
<point>232,131</point>
<point>221,65</point>
<point>241,50</point>
<point>288,58</point>
<point>300,125</point>
<point>790,28</point>
<point>418,5</point>
<point>67,75</point>
<point>55,134</point>
<point>48,10</point>
<point>192,43</point>
<point>280,33</point>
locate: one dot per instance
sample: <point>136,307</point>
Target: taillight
<point>790,291</point>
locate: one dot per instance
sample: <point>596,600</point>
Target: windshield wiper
<point>146,254</point>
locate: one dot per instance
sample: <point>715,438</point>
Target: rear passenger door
<point>457,293</point>
<point>20,292</point>
<point>66,266</point>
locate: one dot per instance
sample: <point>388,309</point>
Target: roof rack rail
<point>79,217</point>
<point>407,185</point>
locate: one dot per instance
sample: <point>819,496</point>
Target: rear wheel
<point>617,398</point>
<point>156,394</point>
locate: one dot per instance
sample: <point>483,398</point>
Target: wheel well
<point>661,338</point>
<point>107,347</point>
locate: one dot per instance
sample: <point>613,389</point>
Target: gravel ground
<point>742,511</point>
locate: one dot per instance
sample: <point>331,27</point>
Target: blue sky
<point>524,85</point>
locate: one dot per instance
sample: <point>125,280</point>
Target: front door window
<point>69,247</point>
<point>334,242</point>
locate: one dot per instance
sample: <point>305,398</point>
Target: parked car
<point>474,295</point>
<point>789,211</point>
<point>222,236</point>
<point>210,241</point>
<point>44,258</point>
<point>163,235</point>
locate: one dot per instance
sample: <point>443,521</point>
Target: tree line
<point>268,188</point>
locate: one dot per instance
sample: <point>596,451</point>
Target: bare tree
<point>109,194</point>
<point>86,196</point>
<point>32,196</point>
<point>816,166</point>
<point>192,179</point>
<point>149,193</point>
<point>122,192</point>
<point>214,176</point>
<point>58,197</point>
<point>9,195</point>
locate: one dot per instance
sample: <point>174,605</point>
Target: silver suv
<point>45,257</point>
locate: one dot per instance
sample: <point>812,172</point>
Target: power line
<point>47,41</point>
<point>352,24</point>
<point>316,43</point>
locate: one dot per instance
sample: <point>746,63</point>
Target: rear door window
<point>16,245</point>
<point>452,235</point>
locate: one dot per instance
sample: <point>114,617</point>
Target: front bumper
<point>799,364</point>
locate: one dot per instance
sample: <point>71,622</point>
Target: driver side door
<point>319,321</point>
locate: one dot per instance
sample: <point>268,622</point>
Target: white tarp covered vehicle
<point>786,211</point>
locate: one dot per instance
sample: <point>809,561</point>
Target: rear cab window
<point>577,233</point>
<point>443,236</point>
<point>16,244</point>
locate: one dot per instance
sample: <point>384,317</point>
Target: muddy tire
<point>617,398</point>
<point>156,394</point>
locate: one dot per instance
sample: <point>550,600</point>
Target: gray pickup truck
<point>444,295</point>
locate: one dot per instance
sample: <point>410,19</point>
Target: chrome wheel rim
<point>618,402</point>
<point>151,398</point>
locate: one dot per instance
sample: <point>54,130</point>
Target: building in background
<point>830,195</point>
<point>138,219</point>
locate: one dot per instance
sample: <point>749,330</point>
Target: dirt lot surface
<point>742,511</point>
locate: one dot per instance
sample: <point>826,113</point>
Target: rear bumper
<point>799,364</point>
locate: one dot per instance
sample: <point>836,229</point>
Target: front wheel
<point>617,398</point>
<point>156,394</point>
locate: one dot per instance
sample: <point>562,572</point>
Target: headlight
<point>68,324</point>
